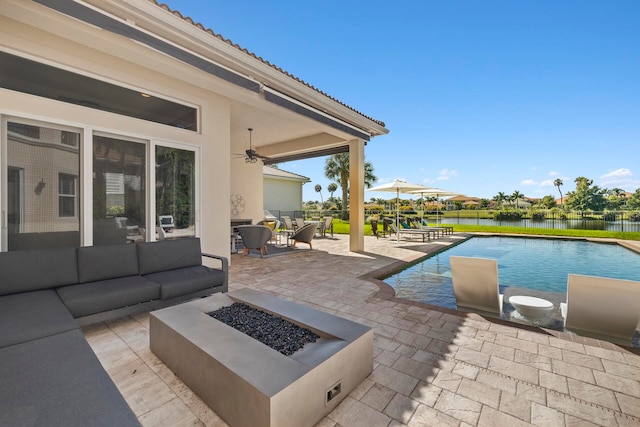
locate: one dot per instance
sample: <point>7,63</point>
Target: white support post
<point>356,195</point>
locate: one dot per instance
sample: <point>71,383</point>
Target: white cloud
<point>528,182</point>
<point>533,168</point>
<point>622,172</point>
<point>620,178</point>
<point>554,173</point>
<point>445,174</point>
<point>549,182</point>
<point>428,181</point>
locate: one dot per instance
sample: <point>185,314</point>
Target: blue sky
<point>480,97</point>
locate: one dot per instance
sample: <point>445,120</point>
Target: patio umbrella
<point>398,187</point>
<point>437,193</point>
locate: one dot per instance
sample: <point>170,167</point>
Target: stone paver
<point>432,366</point>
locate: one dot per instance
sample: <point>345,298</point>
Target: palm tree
<point>500,198</point>
<point>515,196</point>
<point>318,189</point>
<point>337,167</point>
<point>331,188</point>
<point>558,182</point>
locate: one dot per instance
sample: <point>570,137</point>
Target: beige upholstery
<point>475,283</point>
<point>254,237</point>
<point>601,306</point>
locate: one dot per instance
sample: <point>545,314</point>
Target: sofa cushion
<point>31,270</point>
<point>31,315</point>
<point>183,281</point>
<point>58,381</point>
<point>107,262</point>
<point>95,297</point>
<point>169,255</point>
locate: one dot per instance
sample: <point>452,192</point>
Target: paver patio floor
<point>431,367</point>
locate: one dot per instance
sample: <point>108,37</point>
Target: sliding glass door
<point>175,192</point>
<point>41,196</point>
<point>119,189</point>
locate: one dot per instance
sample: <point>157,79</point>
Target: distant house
<point>521,203</point>
<point>462,200</point>
<point>282,190</point>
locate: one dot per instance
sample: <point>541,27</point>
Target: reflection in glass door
<point>118,190</point>
<point>175,192</point>
<point>37,155</point>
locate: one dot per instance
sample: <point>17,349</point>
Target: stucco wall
<point>143,72</point>
<point>283,195</point>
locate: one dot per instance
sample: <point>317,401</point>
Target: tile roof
<point>264,61</point>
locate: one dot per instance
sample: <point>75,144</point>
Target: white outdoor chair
<point>166,222</point>
<point>602,307</point>
<point>475,283</point>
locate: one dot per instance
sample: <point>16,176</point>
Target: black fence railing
<point>554,219</point>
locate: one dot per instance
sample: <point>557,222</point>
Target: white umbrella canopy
<point>398,187</point>
<point>437,193</point>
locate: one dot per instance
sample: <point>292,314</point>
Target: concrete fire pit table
<point>246,382</point>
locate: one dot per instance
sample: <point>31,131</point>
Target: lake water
<point>539,265</point>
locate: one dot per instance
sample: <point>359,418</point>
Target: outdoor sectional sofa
<point>49,374</point>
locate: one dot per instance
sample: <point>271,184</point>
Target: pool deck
<point>431,366</point>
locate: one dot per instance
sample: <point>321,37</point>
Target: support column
<point>356,195</point>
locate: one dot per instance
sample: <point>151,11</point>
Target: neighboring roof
<point>463,199</point>
<point>271,172</point>
<point>275,67</point>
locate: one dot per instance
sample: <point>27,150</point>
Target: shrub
<point>507,216</point>
<point>609,216</point>
<point>634,216</point>
<point>375,209</point>
<point>538,216</point>
<point>116,210</point>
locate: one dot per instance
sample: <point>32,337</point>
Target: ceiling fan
<point>250,155</point>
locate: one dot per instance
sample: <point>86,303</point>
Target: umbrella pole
<point>397,216</point>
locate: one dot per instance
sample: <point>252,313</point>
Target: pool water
<point>539,265</point>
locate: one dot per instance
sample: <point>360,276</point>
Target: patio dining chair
<point>475,283</point>
<point>326,224</point>
<point>288,224</point>
<point>602,307</point>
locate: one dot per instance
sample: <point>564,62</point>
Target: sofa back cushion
<point>107,262</point>
<point>34,269</point>
<point>169,255</point>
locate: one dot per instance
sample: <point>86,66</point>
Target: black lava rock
<point>279,334</point>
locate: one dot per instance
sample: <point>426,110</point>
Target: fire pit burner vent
<point>275,332</point>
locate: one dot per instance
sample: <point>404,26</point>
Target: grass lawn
<point>342,227</point>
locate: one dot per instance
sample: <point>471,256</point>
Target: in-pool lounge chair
<point>602,307</point>
<point>475,283</point>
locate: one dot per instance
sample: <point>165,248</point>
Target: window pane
<point>175,191</point>
<point>37,156</point>
<point>118,190</point>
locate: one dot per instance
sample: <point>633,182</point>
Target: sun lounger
<point>425,234</point>
<point>475,283</point>
<point>602,307</point>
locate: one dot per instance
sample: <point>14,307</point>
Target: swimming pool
<point>535,264</point>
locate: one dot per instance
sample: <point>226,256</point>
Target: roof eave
<point>197,38</point>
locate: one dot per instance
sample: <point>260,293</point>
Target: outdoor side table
<point>531,307</point>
